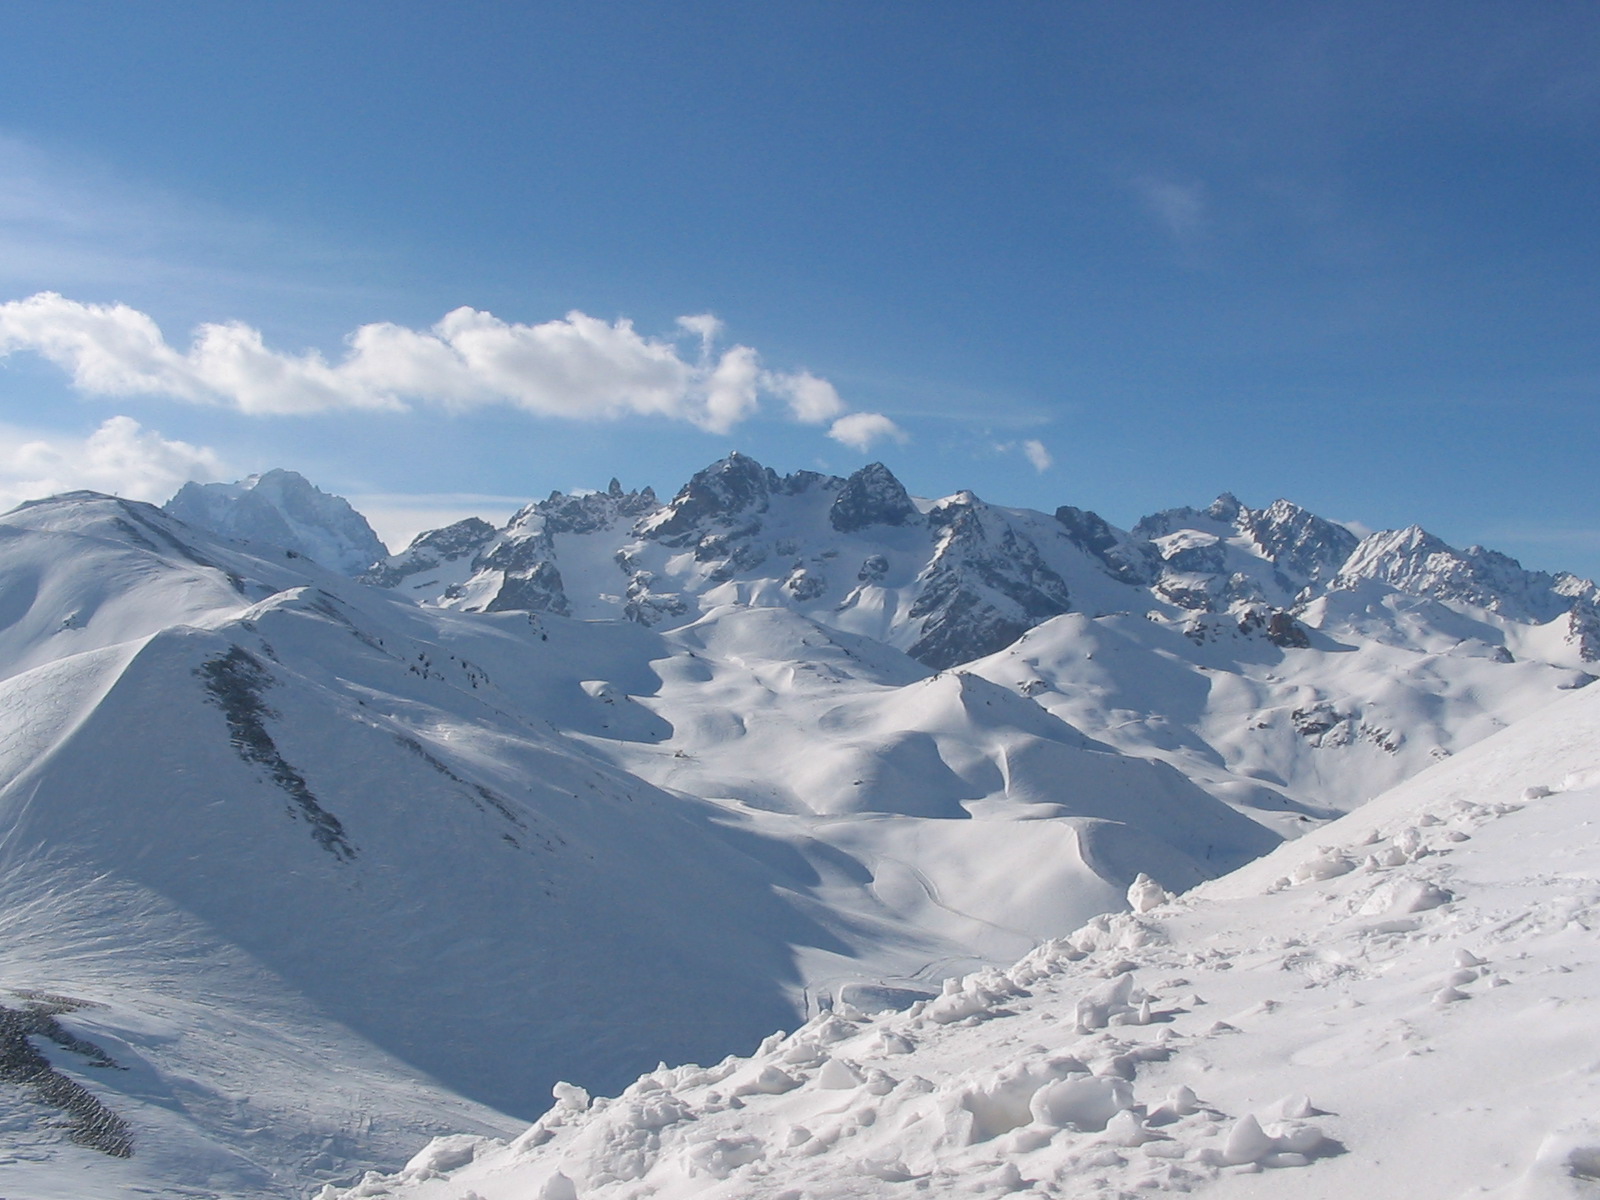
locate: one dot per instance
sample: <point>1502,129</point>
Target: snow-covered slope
<point>1286,732</point>
<point>283,509</point>
<point>253,811</point>
<point>1402,1006</point>
<point>297,871</point>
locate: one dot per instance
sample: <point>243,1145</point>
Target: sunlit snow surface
<point>322,873</point>
<point>1402,1006</point>
<point>295,874</point>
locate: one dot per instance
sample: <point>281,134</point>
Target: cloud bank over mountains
<point>121,457</point>
<point>577,368</point>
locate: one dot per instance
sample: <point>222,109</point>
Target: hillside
<point>1399,1007</point>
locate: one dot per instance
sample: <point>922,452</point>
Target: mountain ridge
<point>982,578</point>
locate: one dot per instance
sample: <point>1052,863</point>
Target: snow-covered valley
<point>300,869</point>
<point>1403,1005</point>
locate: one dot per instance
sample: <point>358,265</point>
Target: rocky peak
<point>1086,530</point>
<point>798,482</point>
<point>1090,532</point>
<point>1575,586</point>
<point>1414,561</point>
<point>454,540</point>
<point>431,549</point>
<point>1171,520</point>
<point>1307,548</point>
<point>985,586</point>
<point>726,490</point>
<point>872,496</point>
<point>283,508</point>
<point>953,509</point>
<point>594,511</point>
<point>1225,508</point>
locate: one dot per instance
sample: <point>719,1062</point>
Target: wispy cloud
<point>578,367</point>
<point>861,431</point>
<point>1586,539</point>
<point>1180,208</point>
<point>70,222</point>
<point>120,457</point>
<point>1034,451</point>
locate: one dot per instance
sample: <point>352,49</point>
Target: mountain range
<point>311,851</point>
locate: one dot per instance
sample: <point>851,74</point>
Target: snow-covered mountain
<point>1402,1006</point>
<point>285,510</point>
<point>300,869</point>
<point>1272,655</point>
<point>948,580</point>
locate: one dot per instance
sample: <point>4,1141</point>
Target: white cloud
<point>860,430</point>
<point>579,367</point>
<point>703,326</point>
<point>120,457</point>
<point>1033,450</point>
<point>731,393</point>
<point>1030,448</point>
<point>811,400</point>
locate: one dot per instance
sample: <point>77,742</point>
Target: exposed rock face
<point>1229,554</point>
<point>1583,629</point>
<point>873,568</point>
<point>1171,520</point>
<point>1412,560</point>
<point>1283,630</point>
<point>726,491</point>
<point>984,588</point>
<point>431,550</point>
<point>648,607</point>
<point>524,558</point>
<point>535,588</point>
<point>514,568</point>
<point>872,496</point>
<point>282,508</point>
<point>1307,549</point>
<point>1089,531</point>
<point>595,511</point>
<point>1278,627</point>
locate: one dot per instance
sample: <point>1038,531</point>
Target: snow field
<point>1415,1022</point>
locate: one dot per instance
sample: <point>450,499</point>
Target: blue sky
<point>1119,256</point>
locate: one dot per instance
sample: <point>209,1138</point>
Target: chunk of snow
<point>1081,1102</point>
<point>1145,894</point>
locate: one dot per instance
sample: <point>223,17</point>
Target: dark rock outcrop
<point>872,496</point>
